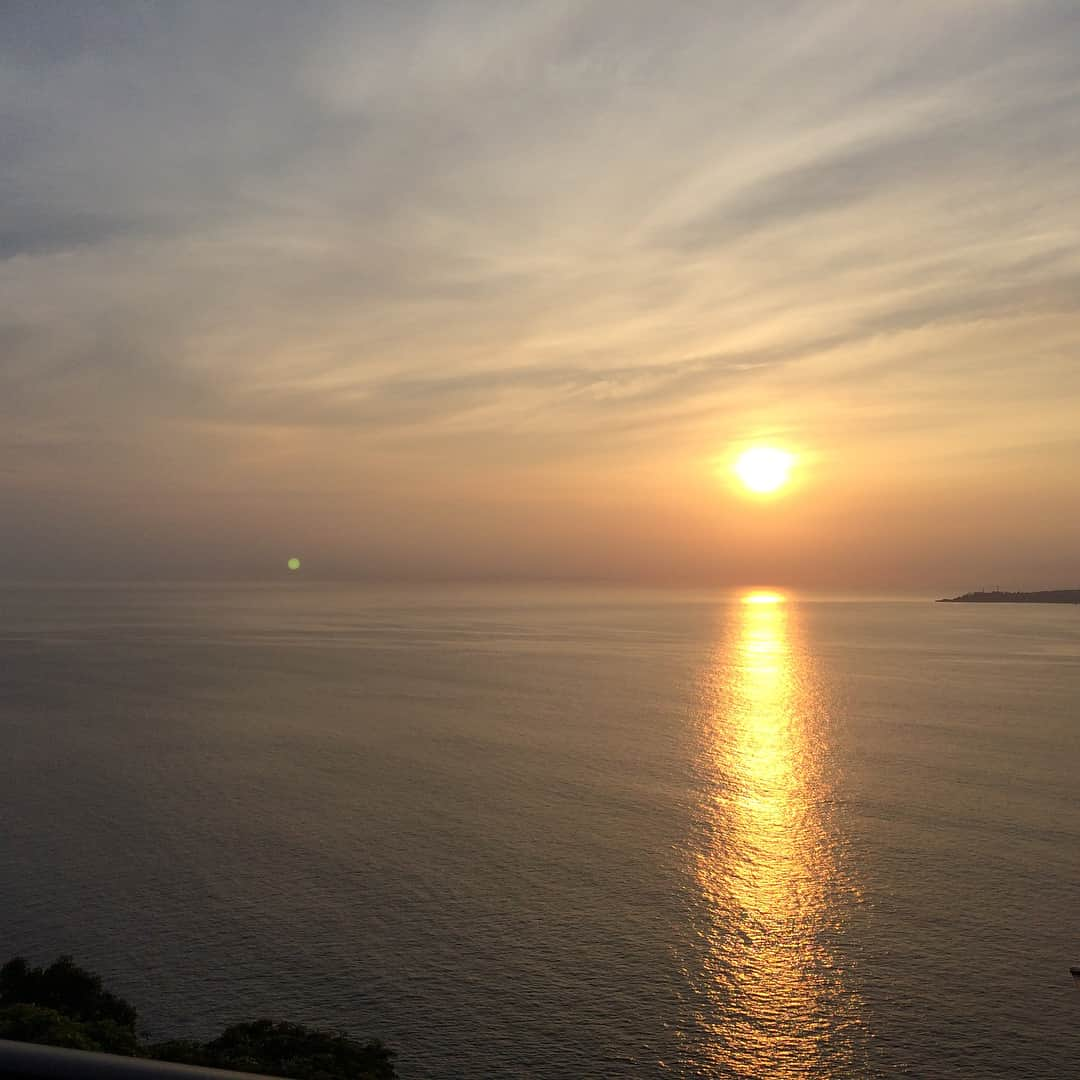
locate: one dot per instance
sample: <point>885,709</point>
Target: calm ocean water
<point>554,834</point>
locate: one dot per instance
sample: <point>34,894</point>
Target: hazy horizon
<point>484,591</point>
<point>447,292</point>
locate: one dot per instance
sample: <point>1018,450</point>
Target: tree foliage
<point>65,987</point>
<point>38,1024</point>
<point>64,1005</point>
<point>284,1049</point>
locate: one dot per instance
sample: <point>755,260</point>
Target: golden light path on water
<point>772,891</point>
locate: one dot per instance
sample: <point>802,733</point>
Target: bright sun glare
<point>764,469</point>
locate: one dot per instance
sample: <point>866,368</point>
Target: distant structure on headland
<point>997,596</point>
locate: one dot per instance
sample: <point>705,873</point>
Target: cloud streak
<point>557,245</point>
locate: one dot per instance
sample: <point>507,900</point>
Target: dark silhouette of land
<point>65,1005</point>
<point>1050,596</point>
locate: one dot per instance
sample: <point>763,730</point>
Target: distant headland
<point>1049,596</point>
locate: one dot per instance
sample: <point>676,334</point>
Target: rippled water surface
<point>555,834</point>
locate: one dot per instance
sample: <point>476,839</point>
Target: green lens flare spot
<point>294,563</point>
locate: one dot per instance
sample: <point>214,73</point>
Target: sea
<point>550,833</point>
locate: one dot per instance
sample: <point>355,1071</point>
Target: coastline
<point>1047,596</point>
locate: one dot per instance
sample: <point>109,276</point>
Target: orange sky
<point>463,292</point>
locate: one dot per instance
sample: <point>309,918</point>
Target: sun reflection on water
<point>776,1000</point>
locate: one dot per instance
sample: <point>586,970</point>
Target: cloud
<point>573,234</point>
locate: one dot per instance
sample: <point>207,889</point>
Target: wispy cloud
<point>541,236</point>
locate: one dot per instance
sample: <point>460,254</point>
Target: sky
<point>478,291</point>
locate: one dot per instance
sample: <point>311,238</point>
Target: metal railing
<point>28,1061</point>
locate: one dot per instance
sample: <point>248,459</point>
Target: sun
<point>764,469</point>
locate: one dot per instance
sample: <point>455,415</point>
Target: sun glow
<point>764,469</point>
